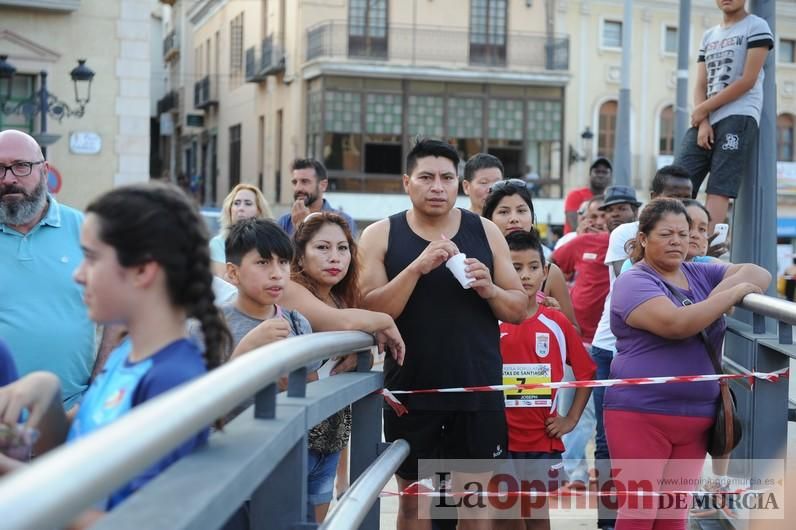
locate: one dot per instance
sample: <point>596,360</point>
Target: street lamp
<point>44,103</point>
<point>585,145</point>
<point>6,78</point>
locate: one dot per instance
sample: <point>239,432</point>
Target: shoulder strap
<point>714,358</point>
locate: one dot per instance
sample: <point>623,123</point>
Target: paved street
<point>563,519</point>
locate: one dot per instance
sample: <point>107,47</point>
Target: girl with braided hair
<point>146,266</point>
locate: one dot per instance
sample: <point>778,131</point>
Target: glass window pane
<point>544,120</point>
<point>607,129</point>
<point>343,112</point>
<point>505,119</point>
<point>671,39</point>
<point>786,50</point>
<point>342,151</point>
<point>612,34</point>
<point>666,132</point>
<point>465,117</point>
<point>425,116</point>
<point>383,114</point>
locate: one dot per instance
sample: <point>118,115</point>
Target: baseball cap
<point>601,160</point>
<point>619,195</point>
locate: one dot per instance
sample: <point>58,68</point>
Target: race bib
<point>523,374</point>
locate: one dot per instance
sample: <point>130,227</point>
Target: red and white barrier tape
<point>400,409</point>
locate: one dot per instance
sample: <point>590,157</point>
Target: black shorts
<point>447,434</point>
<point>733,156</point>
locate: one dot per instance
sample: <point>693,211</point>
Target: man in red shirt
<point>600,177</point>
<point>584,257</point>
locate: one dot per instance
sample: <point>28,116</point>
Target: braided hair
<point>157,222</point>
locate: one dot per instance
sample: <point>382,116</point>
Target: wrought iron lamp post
<point>585,145</point>
<point>44,103</point>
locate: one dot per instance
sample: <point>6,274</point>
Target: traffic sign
<point>54,180</point>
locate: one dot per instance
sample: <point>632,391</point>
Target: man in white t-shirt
<point>670,181</point>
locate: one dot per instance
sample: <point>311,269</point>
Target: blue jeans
<point>576,440</point>
<point>321,469</point>
<point>602,358</point>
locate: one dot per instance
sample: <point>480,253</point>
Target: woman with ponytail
<point>146,265</point>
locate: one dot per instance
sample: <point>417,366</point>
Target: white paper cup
<point>456,265</point>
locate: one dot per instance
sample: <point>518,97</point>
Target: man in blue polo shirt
<point>42,315</point>
<point>309,181</point>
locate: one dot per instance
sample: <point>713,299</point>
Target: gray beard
<point>16,213</point>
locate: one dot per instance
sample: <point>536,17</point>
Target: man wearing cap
<point>584,257</point>
<point>600,177</point>
<point>620,206</point>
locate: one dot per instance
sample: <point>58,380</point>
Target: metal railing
<point>260,458</point>
<point>269,61</point>
<point>353,507</point>
<point>272,57</point>
<point>433,46</point>
<point>252,70</point>
<point>170,45</point>
<point>204,92</point>
<point>759,339</point>
<point>168,102</point>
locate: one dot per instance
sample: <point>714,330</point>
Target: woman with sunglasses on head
<point>509,205</point>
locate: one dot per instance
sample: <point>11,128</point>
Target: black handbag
<point>727,430</point>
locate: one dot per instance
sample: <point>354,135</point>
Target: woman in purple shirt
<point>666,425</point>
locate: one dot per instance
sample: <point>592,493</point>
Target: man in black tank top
<point>451,333</point>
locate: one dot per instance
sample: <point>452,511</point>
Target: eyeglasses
<point>19,169</point>
<point>511,183</point>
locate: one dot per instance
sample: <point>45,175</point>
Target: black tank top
<point>451,334</point>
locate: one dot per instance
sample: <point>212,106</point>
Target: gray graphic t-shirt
<point>240,324</point>
<point>723,50</point>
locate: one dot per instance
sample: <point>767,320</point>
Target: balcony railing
<point>269,61</point>
<point>171,46</point>
<point>433,46</point>
<point>168,102</point>
<point>62,6</point>
<point>205,92</point>
<point>253,74</point>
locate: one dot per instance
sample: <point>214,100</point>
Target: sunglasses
<point>517,184</point>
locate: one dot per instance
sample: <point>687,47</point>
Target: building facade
<point>353,82</point>
<point>109,145</point>
<point>596,59</point>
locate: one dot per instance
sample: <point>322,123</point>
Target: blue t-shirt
<point>123,384</point>
<point>42,315</point>
<point>8,370</point>
<point>217,251</point>
<point>287,223</point>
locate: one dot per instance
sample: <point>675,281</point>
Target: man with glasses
<point>42,315</point>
